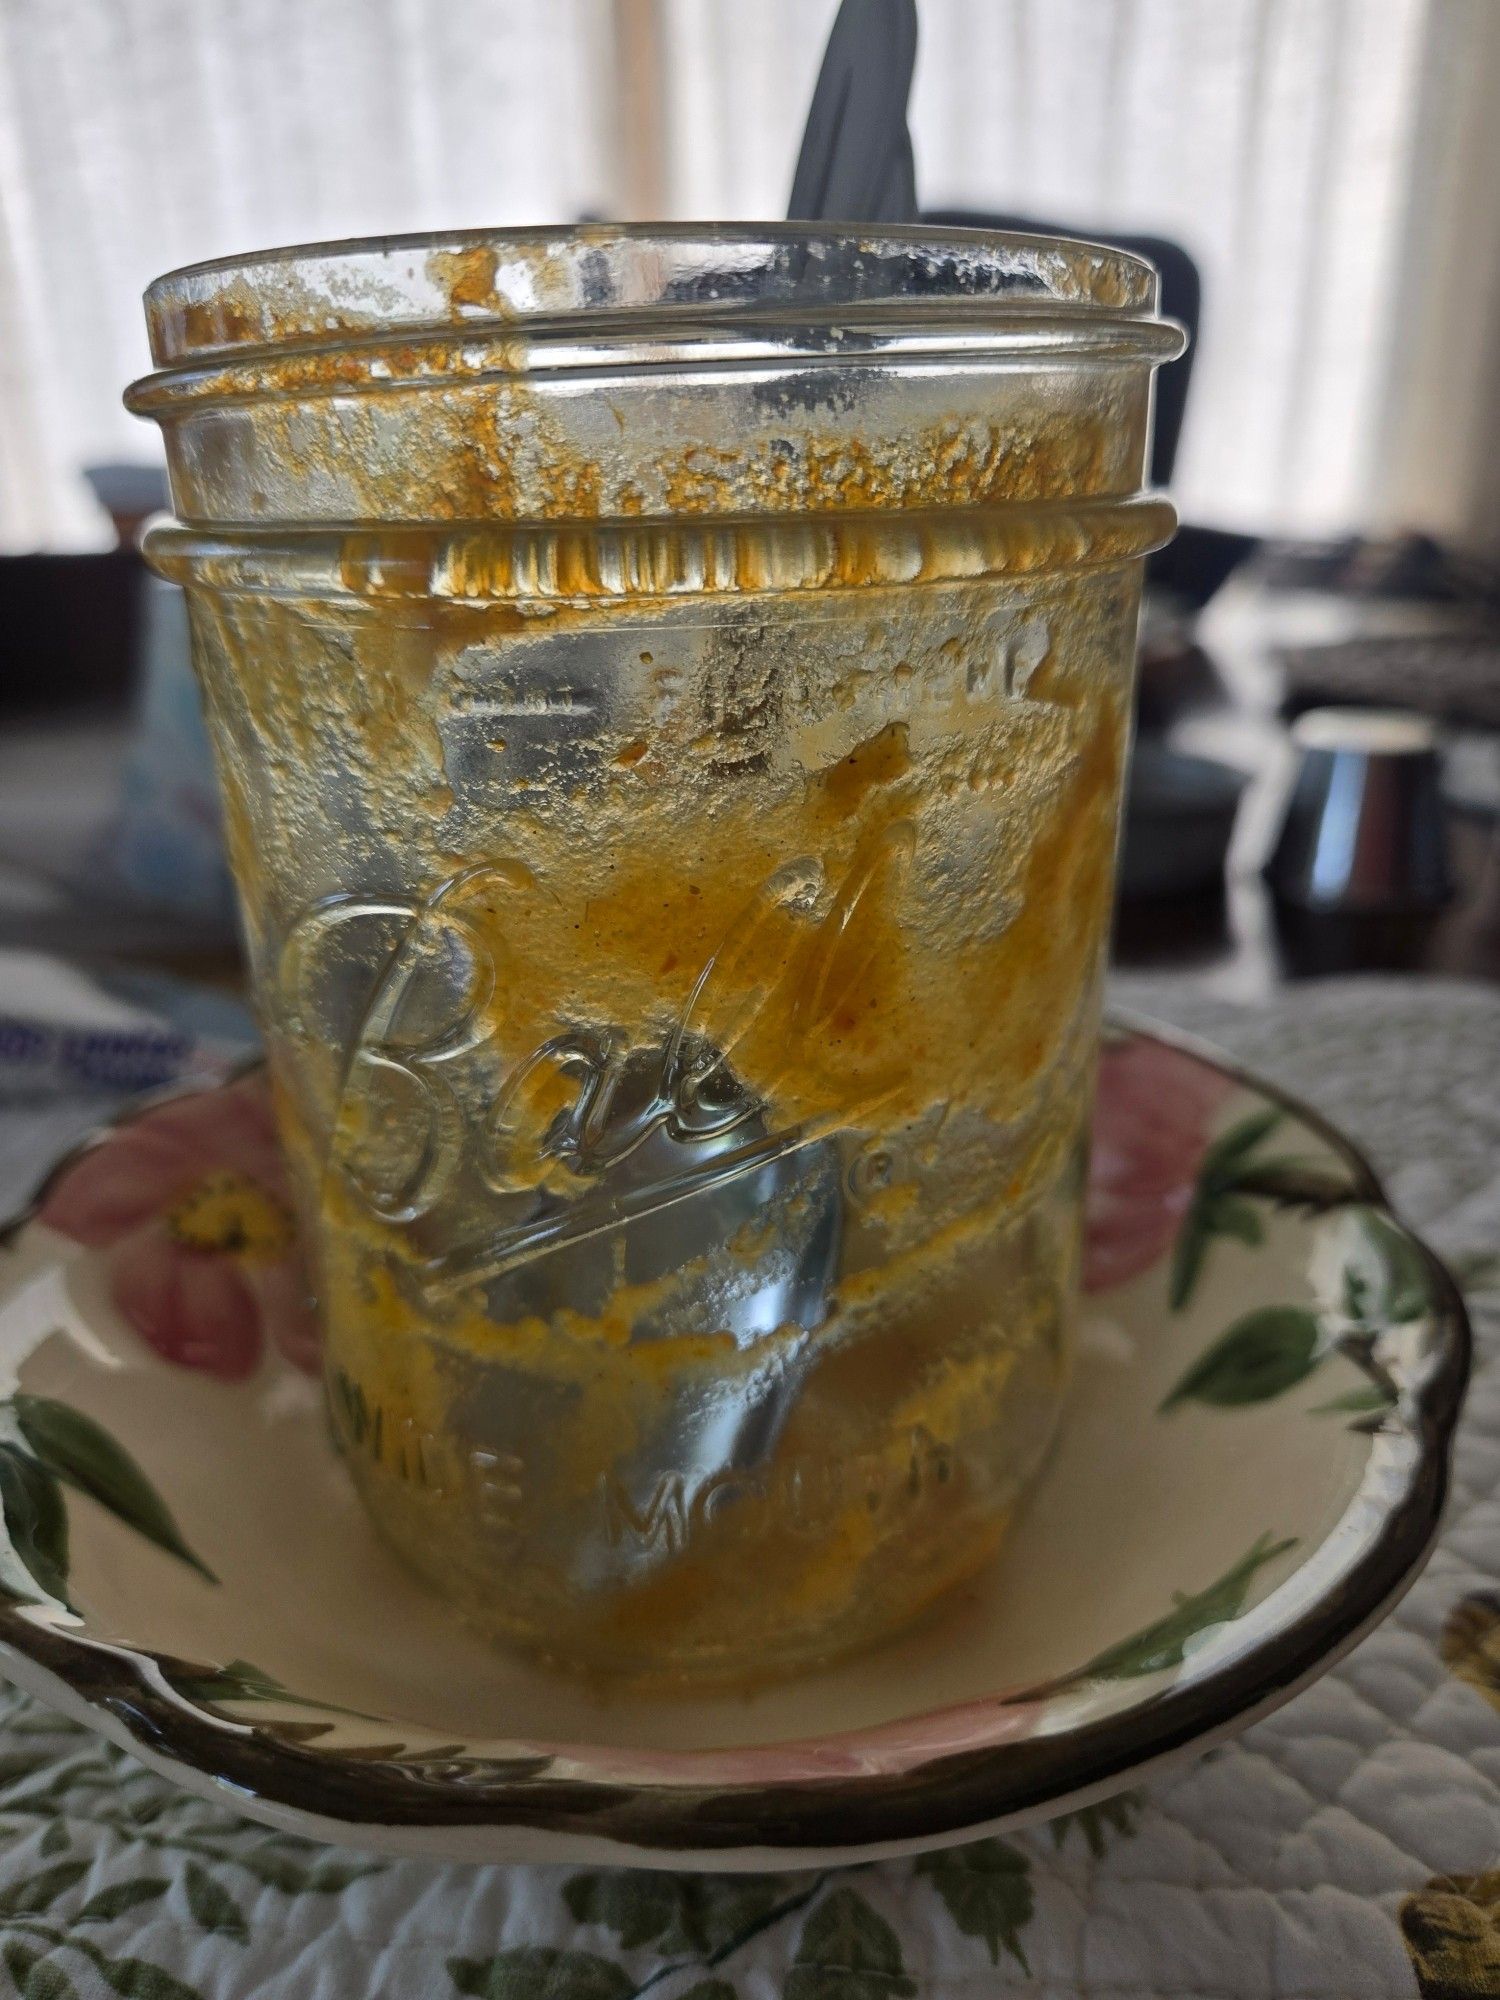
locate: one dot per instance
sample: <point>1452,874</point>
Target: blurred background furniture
<point>1316,183</point>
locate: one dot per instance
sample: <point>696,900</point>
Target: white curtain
<point>1308,154</point>
<point>1331,165</point>
<point>136,135</point>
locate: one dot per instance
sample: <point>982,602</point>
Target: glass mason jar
<point>670,690</point>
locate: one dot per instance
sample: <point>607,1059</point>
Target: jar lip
<point>492,278</point>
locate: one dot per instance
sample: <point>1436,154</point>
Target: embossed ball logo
<point>400,1033</point>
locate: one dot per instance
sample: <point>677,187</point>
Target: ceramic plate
<point>1250,1472</point>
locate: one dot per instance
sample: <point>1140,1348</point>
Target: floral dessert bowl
<point>1251,1471</point>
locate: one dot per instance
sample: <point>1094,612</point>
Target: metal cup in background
<point>1360,866</point>
<point>1363,829</point>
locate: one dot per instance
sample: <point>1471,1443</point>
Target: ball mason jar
<point>670,689</point>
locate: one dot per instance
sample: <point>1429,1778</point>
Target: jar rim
<point>490,279</point>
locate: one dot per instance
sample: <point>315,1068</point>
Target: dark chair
<point>1197,562</point>
<point>1181,292</point>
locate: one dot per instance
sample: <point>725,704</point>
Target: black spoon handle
<point>856,161</point>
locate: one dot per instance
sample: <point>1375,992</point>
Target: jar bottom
<point>746,1584</point>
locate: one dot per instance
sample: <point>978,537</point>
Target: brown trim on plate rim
<point>937,1800</point>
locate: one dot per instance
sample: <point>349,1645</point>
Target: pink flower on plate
<point>1153,1110</point>
<point>189,1204</point>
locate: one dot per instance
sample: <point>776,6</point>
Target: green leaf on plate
<point>1314,1184</point>
<point>1229,1151</point>
<point>242,1680</point>
<point>538,1972</point>
<point>213,1908</point>
<point>987,1890</point>
<point>119,1897</point>
<point>1354,1293</point>
<point>1161,1645</point>
<point>1232,1215</point>
<point>847,1952</point>
<point>1213,1213</point>
<point>1262,1355</point>
<point>237,1680</point>
<point>1188,1252</point>
<point>1227,1174</point>
<point>35,1520</point>
<point>1403,1284</point>
<point>82,1452</point>
<point>35,1895</point>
